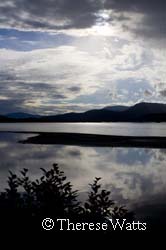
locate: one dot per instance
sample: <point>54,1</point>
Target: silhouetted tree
<point>26,201</point>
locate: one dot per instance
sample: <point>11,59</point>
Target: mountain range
<point>21,115</point>
<point>140,112</point>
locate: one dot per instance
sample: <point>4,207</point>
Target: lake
<point>135,176</point>
<point>119,128</point>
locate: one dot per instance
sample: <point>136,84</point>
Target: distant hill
<point>147,108</point>
<point>118,108</point>
<point>141,112</point>
<point>21,115</point>
<point>5,119</point>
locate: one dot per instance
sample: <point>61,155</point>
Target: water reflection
<point>136,177</point>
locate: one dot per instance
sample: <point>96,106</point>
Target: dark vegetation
<point>25,203</point>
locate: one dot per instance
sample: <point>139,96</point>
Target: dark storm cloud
<point>57,14</point>
<point>153,23</point>
<point>67,14</point>
<point>147,6</point>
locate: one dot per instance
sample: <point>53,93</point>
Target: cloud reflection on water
<point>136,176</point>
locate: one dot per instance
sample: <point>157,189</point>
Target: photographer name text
<point>116,224</point>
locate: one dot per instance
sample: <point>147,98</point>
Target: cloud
<point>143,17</point>
<point>148,15</point>
<point>52,15</point>
<point>163,92</point>
<point>160,89</point>
<point>42,80</point>
<point>148,93</point>
<point>66,78</point>
<point>78,73</point>
<point>74,89</point>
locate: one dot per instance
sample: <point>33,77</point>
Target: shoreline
<point>95,140</point>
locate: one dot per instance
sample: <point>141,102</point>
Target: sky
<point>60,56</point>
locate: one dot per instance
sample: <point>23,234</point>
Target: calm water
<point>140,129</point>
<point>136,177</point>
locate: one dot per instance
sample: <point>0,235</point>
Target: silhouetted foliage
<point>52,196</point>
<point>98,205</point>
